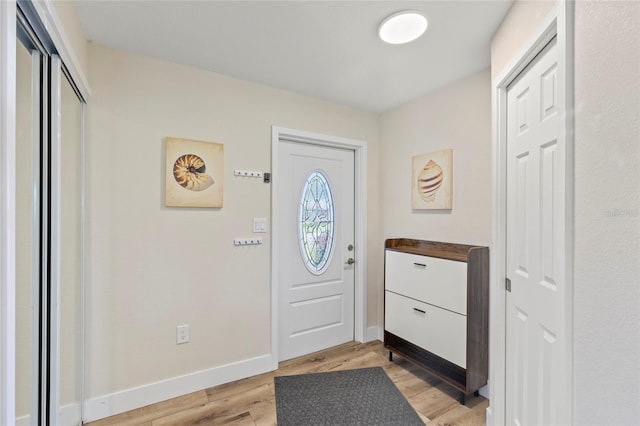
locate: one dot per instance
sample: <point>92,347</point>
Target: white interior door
<point>537,358</point>
<point>315,275</point>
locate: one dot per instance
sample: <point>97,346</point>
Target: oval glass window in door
<point>316,223</point>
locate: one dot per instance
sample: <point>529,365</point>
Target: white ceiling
<point>325,49</point>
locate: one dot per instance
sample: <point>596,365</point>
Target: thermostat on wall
<point>260,224</point>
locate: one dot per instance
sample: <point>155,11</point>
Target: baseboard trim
<point>484,391</point>
<point>374,333</point>
<point>130,399</point>
<point>68,415</point>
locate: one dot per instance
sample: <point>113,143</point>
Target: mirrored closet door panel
<point>27,228</point>
<point>71,188</point>
<point>49,230</point>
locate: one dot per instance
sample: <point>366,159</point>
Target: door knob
<point>350,261</point>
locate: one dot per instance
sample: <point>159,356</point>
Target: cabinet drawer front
<point>436,281</point>
<point>436,330</point>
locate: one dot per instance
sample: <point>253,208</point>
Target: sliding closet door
<point>49,231</point>
<point>70,250</point>
<point>28,151</point>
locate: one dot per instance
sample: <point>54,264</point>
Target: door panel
<point>311,315</point>
<point>536,346</point>
<point>71,188</point>
<point>27,228</point>
<point>316,286</point>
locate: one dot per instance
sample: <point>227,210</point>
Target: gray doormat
<point>353,397</point>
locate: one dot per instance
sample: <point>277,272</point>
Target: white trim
<point>558,23</point>
<point>360,212</point>
<point>51,22</point>
<point>374,333</point>
<point>489,416</point>
<point>83,260</point>
<point>484,391</point>
<point>7,210</point>
<point>23,421</point>
<point>129,399</point>
<point>68,415</point>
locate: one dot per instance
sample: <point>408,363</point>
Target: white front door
<point>315,241</point>
<point>537,359</point>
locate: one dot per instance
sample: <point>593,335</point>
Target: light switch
<point>260,224</point>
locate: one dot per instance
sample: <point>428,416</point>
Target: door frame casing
<point>7,210</point>
<point>559,23</point>
<point>360,226</point>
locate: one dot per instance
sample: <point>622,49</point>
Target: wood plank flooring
<point>251,401</point>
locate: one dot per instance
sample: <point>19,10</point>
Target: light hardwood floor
<point>251,401</point>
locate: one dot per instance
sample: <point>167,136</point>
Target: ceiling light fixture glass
<point>403,27</point>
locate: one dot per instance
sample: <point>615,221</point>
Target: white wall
<point>151,268</point>
<point>457,116</point>
<point>607,213</point>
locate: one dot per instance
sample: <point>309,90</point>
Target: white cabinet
<point>436,309</point>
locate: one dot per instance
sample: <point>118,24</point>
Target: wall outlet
<point>182,334</point>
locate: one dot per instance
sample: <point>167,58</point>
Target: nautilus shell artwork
<point>429,181</point>
<point>194,173</point>
<point>189,171</point>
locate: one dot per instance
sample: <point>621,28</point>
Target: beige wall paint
<point>151,268</point>
<point>607,213</point>
<point>457,116</point>
<point>516,30</point>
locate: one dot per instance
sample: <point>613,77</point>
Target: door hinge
<point>507,285</point>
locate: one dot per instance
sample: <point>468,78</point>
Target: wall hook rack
<point>247,173</point>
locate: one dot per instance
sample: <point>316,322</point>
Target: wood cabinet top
<point>451,251</point>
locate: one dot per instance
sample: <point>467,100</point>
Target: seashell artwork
<point>432,181</point>
<point>429,181</point>
<point>189,171</point>
<point>194,173</point>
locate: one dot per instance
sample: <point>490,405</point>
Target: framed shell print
<point>432,181</point>
<point>194,173</point>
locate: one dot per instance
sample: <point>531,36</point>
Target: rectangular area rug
<point>364,396</point>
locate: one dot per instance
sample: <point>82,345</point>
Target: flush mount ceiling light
<point>402,27</point>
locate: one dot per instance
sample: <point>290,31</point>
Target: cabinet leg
<point>463,398</point>
<point>390,356</point>
<point>476,393</point>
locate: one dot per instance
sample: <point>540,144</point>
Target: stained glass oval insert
<point>316,222</point>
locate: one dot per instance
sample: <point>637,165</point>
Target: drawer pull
<point>422,265</point>
<point>419,310</point>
